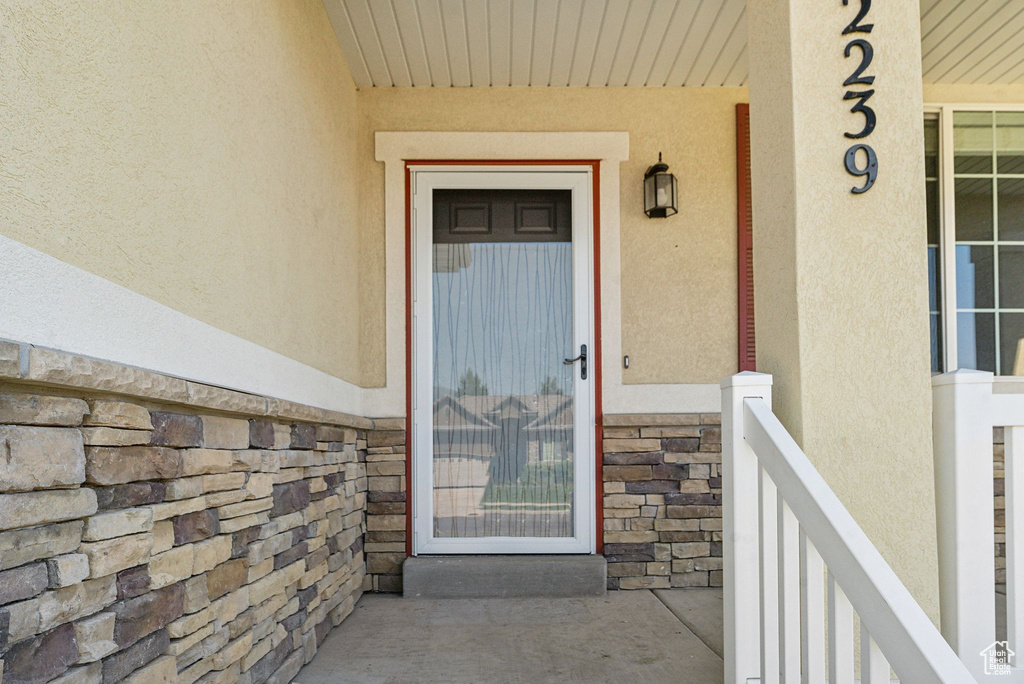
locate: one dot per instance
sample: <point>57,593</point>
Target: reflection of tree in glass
<point>471,385</point>
<point>550,386</point>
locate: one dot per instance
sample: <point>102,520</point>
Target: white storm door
<point>503,426</point>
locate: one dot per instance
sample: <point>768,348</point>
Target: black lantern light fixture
<point>660,191</point>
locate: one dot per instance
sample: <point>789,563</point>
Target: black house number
<point>861,151</point>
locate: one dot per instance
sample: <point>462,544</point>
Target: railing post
<point>741,559</point>
<point>962,430</point>
<point>1013,454</point>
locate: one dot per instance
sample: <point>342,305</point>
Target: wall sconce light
<point>660,191</point>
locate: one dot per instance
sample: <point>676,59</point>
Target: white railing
<point>965,409</point>
<point>787,537</point>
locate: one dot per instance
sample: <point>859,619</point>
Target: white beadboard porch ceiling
<point>972,41</point>
<point>542,42</point>
<point>445,43</point>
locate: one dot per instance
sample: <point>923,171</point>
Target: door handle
<point>582,358</point>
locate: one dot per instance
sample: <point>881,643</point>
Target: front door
<point>503,427</point>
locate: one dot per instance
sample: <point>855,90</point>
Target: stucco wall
<point>841,327</point>
<point>939,93</point>
<point>678,274</point>
<point>201,154</point>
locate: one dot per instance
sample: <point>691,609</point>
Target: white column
<point>841,278</point>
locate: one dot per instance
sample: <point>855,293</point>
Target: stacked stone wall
<point>386,505</point>
<point>663,500</point>
<point>154,541</point>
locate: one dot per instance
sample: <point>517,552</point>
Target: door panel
<point>474,216</point>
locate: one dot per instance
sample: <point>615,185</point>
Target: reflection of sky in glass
<point>933,279</point>
<point>935,318</point>
<point>965,281</point>
<point>504,311</point>
<point>966,330</point>
<point>966,341</point>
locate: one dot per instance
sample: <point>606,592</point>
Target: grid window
<point>931,170</point>
<point>988,239</point>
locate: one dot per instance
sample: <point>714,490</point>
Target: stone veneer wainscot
<point>663,500</point>
<point>155,529</point>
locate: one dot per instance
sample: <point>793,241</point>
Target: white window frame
<point>947,227</point>
<point>579,179</point>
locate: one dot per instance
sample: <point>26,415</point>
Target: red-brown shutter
<point>745,240</point>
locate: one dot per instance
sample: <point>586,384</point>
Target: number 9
<point>870,169</point>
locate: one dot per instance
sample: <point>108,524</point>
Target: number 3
<point>870,169</point>
<point>861,108</point>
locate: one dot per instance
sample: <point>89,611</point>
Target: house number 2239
<point>861,151</point>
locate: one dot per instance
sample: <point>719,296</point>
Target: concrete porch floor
<point>667,635</point>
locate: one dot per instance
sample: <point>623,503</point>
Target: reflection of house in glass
<point>511,432</point>
<point>503,465</point>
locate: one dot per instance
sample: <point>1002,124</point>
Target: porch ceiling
<point>542,42</point>
<point>618,42</point>
<point>967,41</point>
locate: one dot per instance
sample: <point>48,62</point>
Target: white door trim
<point>610,148</point>
<point>580,181</point>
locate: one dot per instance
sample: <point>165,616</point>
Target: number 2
<point>867,54</point>
<point>855,25</point>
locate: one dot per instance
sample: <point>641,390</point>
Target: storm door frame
<point>423,181</point>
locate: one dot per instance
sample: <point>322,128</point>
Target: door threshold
<point>495,576</point>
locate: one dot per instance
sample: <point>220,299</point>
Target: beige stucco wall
<point>199,153</point>
<point>842,278</point>
<point>678,274</point>
<point>938,93</point>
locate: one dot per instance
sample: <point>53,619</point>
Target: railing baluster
<point>789,593</point>
<point>812,613</point>
<point>762,463</point>
<point>769,586</point>
<point>1013,464</point>
<point>874,668</point>
<point>840,634</point>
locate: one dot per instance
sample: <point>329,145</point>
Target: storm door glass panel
<point>503,447</point>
